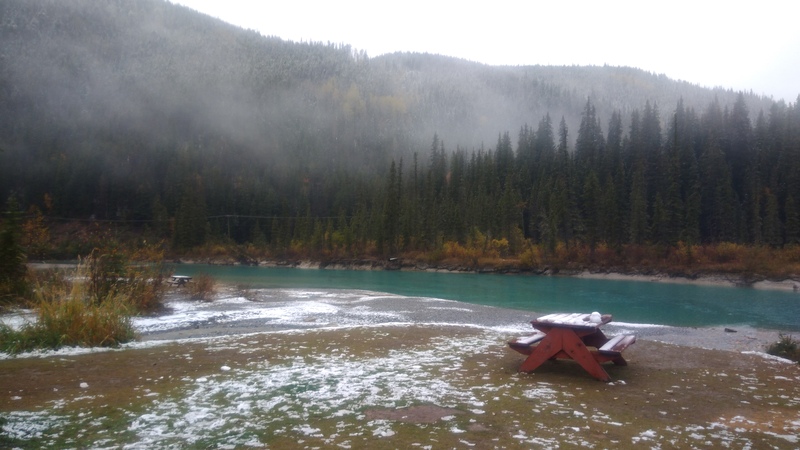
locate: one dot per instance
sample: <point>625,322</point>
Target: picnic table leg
<point>596,339</point>
<point>619,361</point>
<point>576,349</point>
<point>547,348</point>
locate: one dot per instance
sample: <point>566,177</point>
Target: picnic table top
<point>181,277</point>
<point>575,320</point>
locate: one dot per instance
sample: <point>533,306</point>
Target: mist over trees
<point>175,123</point>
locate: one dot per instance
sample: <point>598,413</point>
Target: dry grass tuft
<point>786,347</point>
<point>89,307</point>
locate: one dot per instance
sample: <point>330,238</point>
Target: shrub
<point>532,257</point>
<point>202,287</point>
<point>110,273</point>
<point>90,307</point>
<point>500,247</point>
<point>76,322</point>
<point>69,319</point>
<point>786,347</point>
<point>455,251</point>
<point>105,270</point>
<point>145,281</point>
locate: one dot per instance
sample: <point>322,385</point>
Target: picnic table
<point>179,280</point>
<point>572,336</point>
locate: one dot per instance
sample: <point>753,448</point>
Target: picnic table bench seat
<point>616,345</point>
<point>526,342</point>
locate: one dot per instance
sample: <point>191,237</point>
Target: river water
<point>683,305</point>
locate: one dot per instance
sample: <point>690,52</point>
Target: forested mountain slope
<point>166,75</point>
<point>134,110</point>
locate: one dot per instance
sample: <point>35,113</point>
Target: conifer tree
<point>391,211</point>
<point>504,159</point>
<point>792,221</point>
<point>638,202</point>
<point>772,233</point>
<point>740,153</point>
<point>13,260</point>
<point>591,209</point>
<point>190,218</point>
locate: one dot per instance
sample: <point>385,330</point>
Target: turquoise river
<point>673,304</point>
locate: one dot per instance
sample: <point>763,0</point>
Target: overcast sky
<point>733,44</point>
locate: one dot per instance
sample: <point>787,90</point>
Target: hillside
<point>150,113</point>
<point>166,75</point>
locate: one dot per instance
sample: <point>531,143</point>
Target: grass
<point>67,315</point>
<point>71,322</point>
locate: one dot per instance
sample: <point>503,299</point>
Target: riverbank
<point>699,276</point>
<point>790,284</point>
<point>238,311</point>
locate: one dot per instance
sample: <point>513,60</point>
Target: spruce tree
<point>638,202</point>
<point>191,216</point>
<point>792,221</point>
<point>391,212</point>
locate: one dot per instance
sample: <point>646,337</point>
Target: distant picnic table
<point>572,336</point>
<point>179,280</point>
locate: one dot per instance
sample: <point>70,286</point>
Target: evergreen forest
<point>146,121</point>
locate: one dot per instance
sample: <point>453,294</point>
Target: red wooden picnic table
<point>572,336</point>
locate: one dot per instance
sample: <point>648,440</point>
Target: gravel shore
<point>235,312</point>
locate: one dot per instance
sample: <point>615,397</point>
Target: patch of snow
<point>787,437</point>
<point>18,319</point>
<point>638,325</point>
<point>769,357</point>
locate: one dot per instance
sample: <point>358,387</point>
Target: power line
<point>222,216</point>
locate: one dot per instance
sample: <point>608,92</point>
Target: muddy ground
<point>669,396</point>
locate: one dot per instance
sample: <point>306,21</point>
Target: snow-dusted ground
<point>281,309</point>
<point>322,397</point>
<point>267,310</point>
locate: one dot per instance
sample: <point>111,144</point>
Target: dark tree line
<point>708,177</point>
